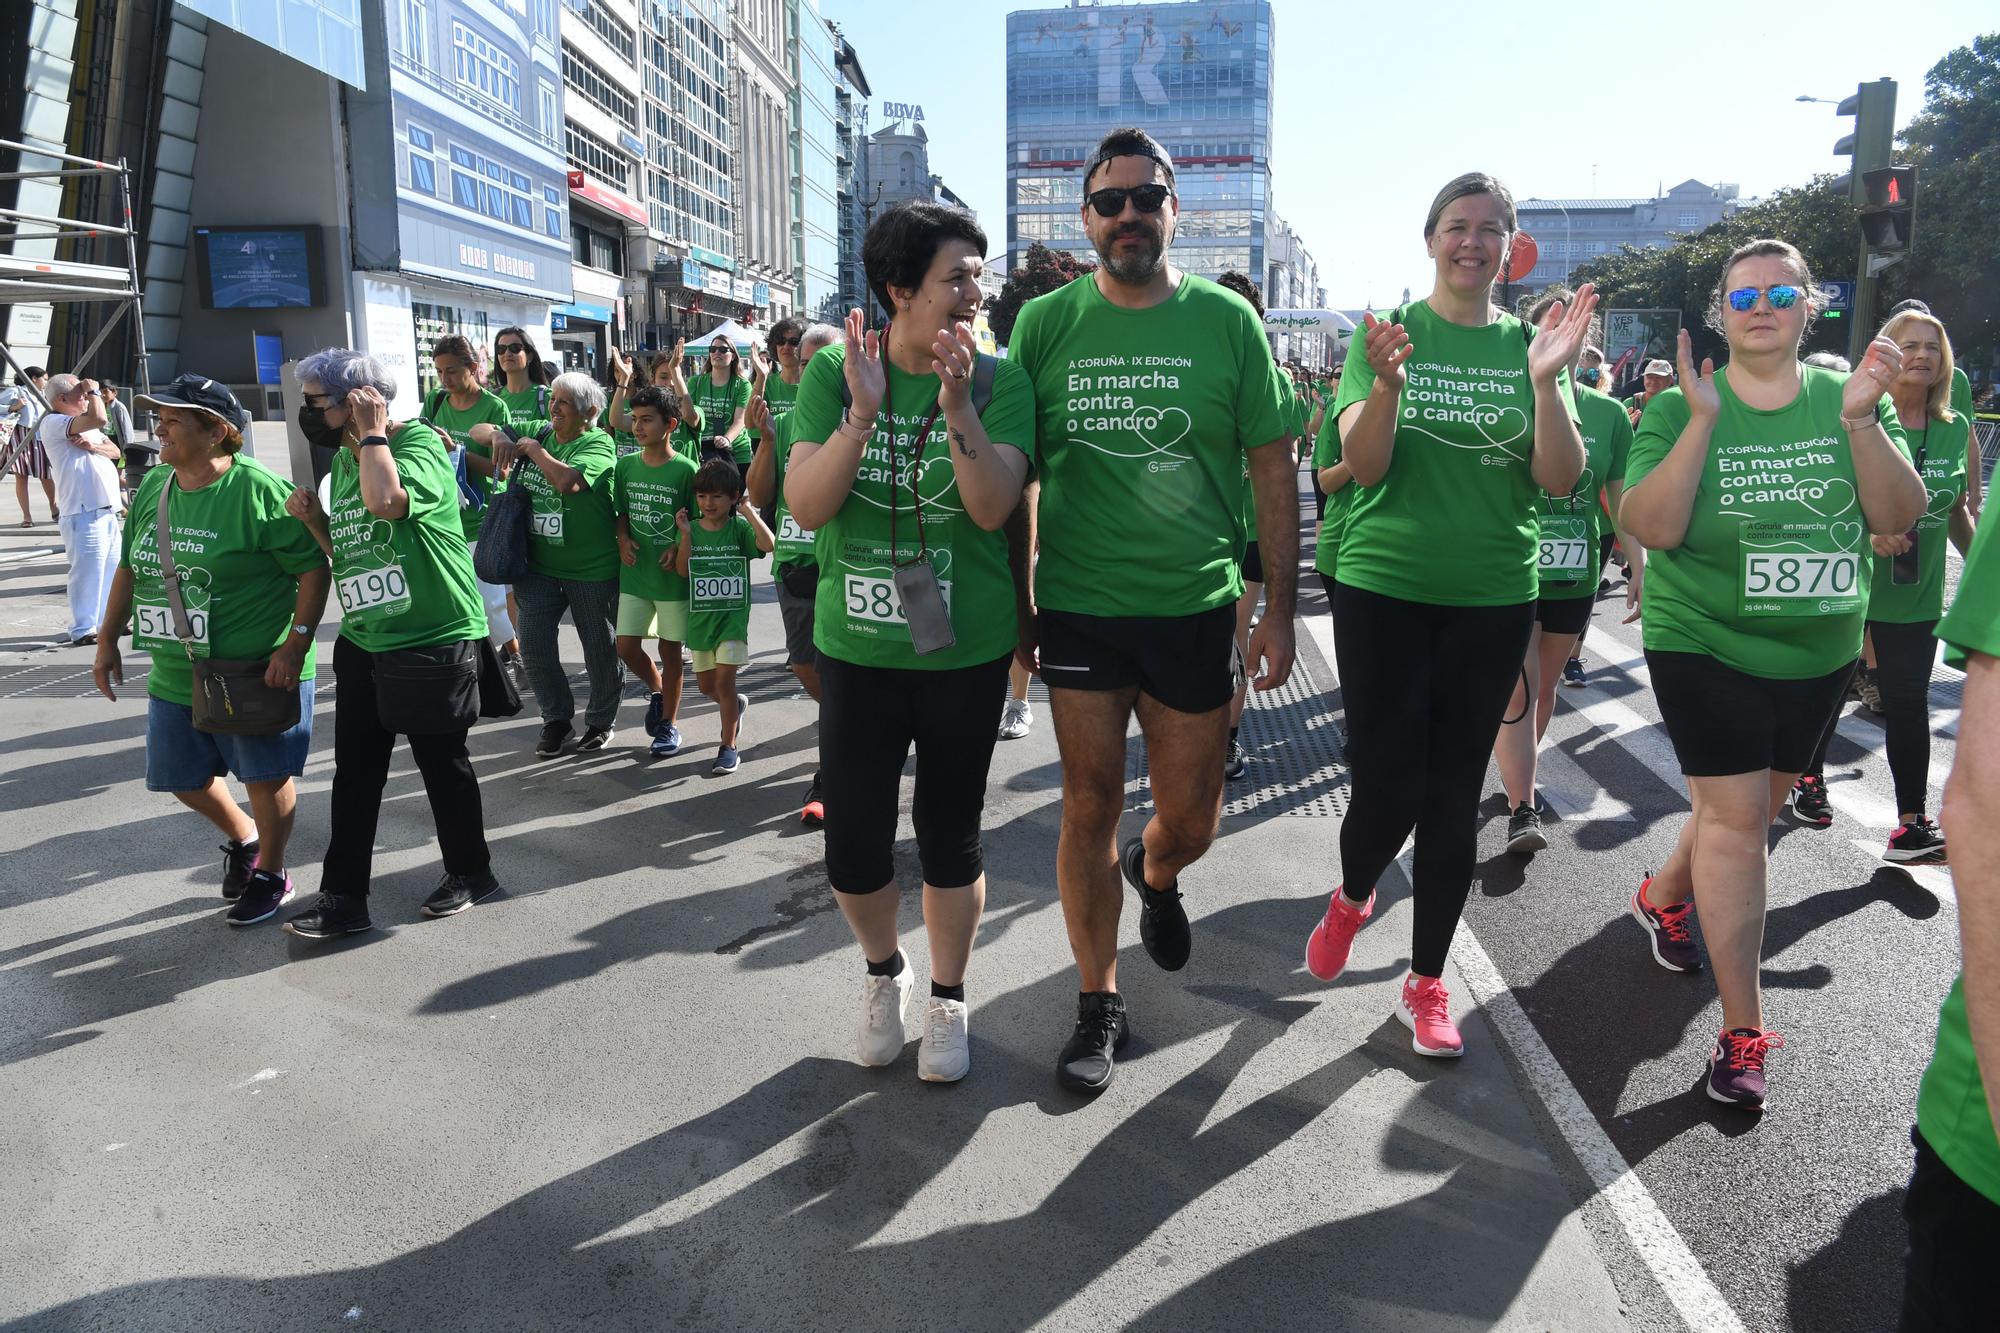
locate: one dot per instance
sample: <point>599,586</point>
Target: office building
<point>1291,282</point>
<point>608,226</point>
<point>760,114</point>
<point>857,195</point>
<point>899,161</point>
<point>1569,232</point>
<point>1196,75</point>
<point>815,162</point>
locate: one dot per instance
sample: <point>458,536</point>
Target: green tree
<point>1040,271</point>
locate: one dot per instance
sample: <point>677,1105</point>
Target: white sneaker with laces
<point>1016,719</point>
<point>883,1000</point>
<point>946,1055</point>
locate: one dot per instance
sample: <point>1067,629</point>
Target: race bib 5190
<point>373,594</point>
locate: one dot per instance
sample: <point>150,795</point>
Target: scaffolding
<point>33,280</point>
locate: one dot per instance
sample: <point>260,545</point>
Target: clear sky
<point>1379,105</point>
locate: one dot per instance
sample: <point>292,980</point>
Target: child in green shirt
<point>649,490</point>
<point>714,556</point>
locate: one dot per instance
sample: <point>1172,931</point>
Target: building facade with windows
<point>857,193</point>
<point>1570,232</point>
<point>608,226</point>
<point>1196,75</point>
<point>815,162</point>
<point>761,122</point>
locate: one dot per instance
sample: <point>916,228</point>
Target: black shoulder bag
<point>502,554</point>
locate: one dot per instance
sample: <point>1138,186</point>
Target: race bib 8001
<point>718,582</point>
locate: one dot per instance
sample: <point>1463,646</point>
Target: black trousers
<point>361,751</point>
<point>1904,655</point>
<point>1425,688</point>
<point>1954,1234</point>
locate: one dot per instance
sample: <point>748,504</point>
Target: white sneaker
<point>945,1056</point>
<point>1016,719</point>
<point>883,1000</point>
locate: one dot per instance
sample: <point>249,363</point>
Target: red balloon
<point>1521,256</point>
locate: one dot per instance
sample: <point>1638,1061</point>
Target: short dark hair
<point>718,476</point>
<point>29,373</point>
<point>1128,142</point>
<point>1240,284</point>
<point>458,345</point>
<point>791,326</point>
<point>903,241</point>
<point>653,396</point>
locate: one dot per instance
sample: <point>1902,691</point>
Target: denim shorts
<point>179,758</point>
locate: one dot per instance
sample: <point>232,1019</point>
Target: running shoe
<point>1425,1008</point>
<point>1573,673</point>
<point>455,893</point>
<point>1235,763</point>
<point>1918,844</point>
<point>238,860</point>
<point>742,706</point>
<point>334,914</point>
<point>1524,831</point>
<point>1163,923</point>
<point>814,812</point>
<point>552,738</point>
<point>946,1054</point>
<point>656,714</point>
<point>1088,1057</point>
<point>1871,693</point>
<point>594,738</point>
<point>666,742</point>
<point>1809,804</point>
<point>1667,931</point>
<point>1736,1067</point>
<point>263,894</point>
<point>1333,938</point>
<point>883,1000</point>
<point>1015,720</point>
<point>726,760</point>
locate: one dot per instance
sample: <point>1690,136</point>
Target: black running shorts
<point>1188,663</point>
<point>1723,721</point>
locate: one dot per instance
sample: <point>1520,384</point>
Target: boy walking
<point>649,490</point>
<point>714,556</point>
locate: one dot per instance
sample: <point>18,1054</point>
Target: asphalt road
<point>620,1094</point>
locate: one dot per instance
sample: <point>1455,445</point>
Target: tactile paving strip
<point>1297,760</point>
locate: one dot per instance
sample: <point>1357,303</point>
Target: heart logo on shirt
<point>1158,428</point>
<point>384,552</point>
<point>1828,499</point>
<point>1583,488</point>
<point>1847,536</point>
<point>194,586</point>
<point>1940,503</point>
<point>654,523</point>
<point>1509,424</point>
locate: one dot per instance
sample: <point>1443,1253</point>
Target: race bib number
<point>793,540</point>
<point>718,582</point>
<point>1800,583</point>
<point>548,526</point>
<point>153,627</point>
<point>872,601</point>
<point>1563,553</point>
<point>373,594</point>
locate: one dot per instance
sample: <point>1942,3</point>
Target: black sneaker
<point>1087,1057</point>
<point>553,736</point>
<point>263,894</point>
<point>1163,923</point>
<point>594,738</point>
<point>814,813</point>
<point>1235,763</point>
<point>238,860</point>
<point>455,893</point>
<point>334,914</point>
<point>1573,673</point>
<point>1918,844</point>
<point>656,714</point>
<point>1809,804</point>
<point>1524,831</point>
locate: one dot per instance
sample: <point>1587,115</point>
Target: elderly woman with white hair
<point>411,622</point>
<point>572,557</point>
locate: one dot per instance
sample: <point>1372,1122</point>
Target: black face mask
<point>312,422</point>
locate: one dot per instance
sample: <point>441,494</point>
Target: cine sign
<point>902,111</point>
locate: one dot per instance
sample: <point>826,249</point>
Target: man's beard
<point>1134,266</point>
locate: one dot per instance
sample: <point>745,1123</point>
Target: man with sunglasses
<point>1151,385</point>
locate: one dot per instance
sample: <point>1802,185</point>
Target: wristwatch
<point>305,631</point>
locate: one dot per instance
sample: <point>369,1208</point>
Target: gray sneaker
<point>1016,720</point>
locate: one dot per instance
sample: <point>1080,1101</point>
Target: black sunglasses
<point>786,342</point>
<point>1110,202</point>
<point>502,349</point>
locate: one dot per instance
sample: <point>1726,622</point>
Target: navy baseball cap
<point>200,393</point>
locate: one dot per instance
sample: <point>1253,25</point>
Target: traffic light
<point>1889,209</point>
<point>1873,107</point>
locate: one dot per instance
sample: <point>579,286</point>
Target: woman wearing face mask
<point>1753,489</point>
<point>1906,589</point>
<point>253,585</point>
<point>453,410</point>
<point>1575,533</point>
<point>1453,419</point>
<point>723,395</point>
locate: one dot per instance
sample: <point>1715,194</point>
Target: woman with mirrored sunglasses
<point>1753,489</point>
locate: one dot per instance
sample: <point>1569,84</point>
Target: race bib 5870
<point>873,598</point>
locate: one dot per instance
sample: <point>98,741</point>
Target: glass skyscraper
<point>1196,76</point>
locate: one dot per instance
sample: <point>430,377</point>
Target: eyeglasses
<point>1110,202</point>
<point>1783,297</point>
<point>1588,375</point>
<point>508,349</point>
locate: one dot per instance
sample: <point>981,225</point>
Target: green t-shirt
<point>1952,1111</point>
<point>1943,445</point>
<point>1293,419</point>
<point>1453,522</point>
<point>719,404</point>
<point>458,424</point>
<point>571,536</point>
<point>1574,526</point>
<point>794,545</point>
<point>1142,418</point>
<point>1326,452</point>
<point>686,439</point>
<point>649,498</point>
<point>857,615</point>
<point>240,556</point>
<point>718,580</point>
<point>528,410</point>
<point>781,396</point>
<point>406,582</point>
<point>1771,578</point>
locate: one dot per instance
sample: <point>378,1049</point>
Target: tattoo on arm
<point>958,438</point>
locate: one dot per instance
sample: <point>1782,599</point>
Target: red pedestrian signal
<point>1888,209</point>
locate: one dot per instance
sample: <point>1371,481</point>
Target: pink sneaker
<point>1333,938</point>
<point>1426,1011</point>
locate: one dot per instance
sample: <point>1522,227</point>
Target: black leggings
<point>1903,658</point>
<point>1425,689</point>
